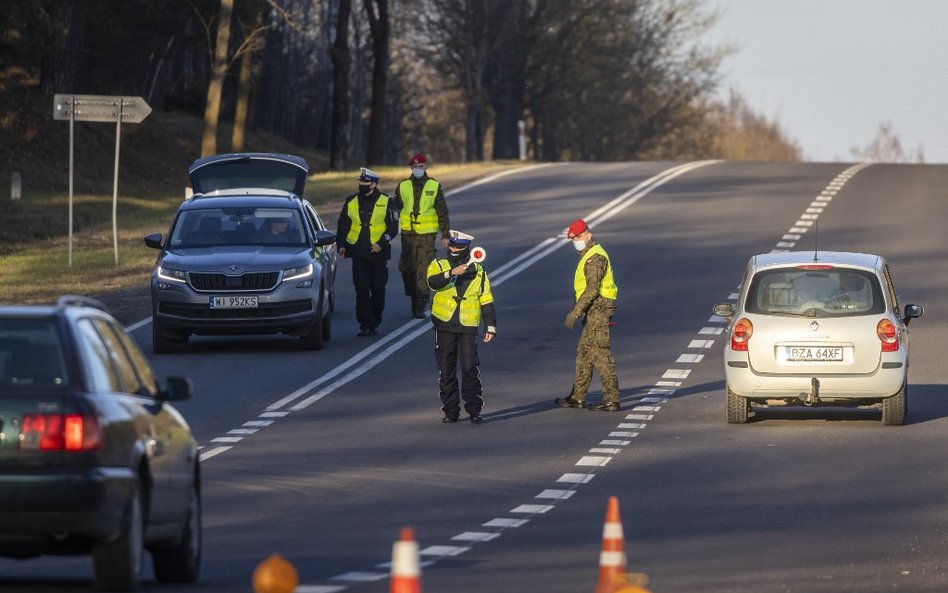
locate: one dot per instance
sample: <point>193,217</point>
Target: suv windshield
<point>211,227</point>
<point>31,355</point>
<point>831,292</point>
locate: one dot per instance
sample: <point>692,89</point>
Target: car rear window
<point>31,355</point>
<point>209,227</point>
<point>828,292</point>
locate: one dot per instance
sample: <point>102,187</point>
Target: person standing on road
<point>423,211</point>
<point>462,300</point>
<point>595,303</point>
<point>367,224</point>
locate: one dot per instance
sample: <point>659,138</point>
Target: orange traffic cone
<point>406,575</point>
<point>612,557</point>
<point>275,575</point>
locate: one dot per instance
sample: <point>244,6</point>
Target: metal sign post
<point>99,108</point>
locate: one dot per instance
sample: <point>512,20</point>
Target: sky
<point>829,72</point>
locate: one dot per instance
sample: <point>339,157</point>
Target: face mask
<point>418,172</point>
<point>579,245</point>
<point>365,190</point>
<point>461,257</point>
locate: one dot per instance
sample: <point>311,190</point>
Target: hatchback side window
<point>96,359</point>
<point>890,288</point>
<point>125,369</point>
<point>148,381</point>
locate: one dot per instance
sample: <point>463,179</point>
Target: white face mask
<point>579,245</point>
<point>418,172</point>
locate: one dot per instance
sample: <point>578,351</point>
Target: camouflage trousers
<point>593,353</point>
<point>417,252</point>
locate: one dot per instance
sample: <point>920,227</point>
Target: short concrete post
<point>16,188</point>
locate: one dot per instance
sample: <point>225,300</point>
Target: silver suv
<point>245,254</point>
<point>813,330</point>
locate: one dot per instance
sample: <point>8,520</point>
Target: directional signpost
<point>99,108</point>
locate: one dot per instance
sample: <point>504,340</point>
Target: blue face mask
<point>418,172</point>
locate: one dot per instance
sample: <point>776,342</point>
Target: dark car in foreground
<point>93,457</point>
<point>245,254</point>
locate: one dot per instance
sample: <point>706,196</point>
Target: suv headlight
<point>171,275</point>
<point>298,274</point>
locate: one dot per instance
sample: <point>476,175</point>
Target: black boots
<point>418,307</point>
<point>569,402</point>
<point>604,406</point>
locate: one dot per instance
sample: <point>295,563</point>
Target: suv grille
<point>222,282</point>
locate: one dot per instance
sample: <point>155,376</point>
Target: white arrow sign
<point>100,108</point>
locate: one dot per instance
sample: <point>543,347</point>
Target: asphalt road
<point>322,457</point>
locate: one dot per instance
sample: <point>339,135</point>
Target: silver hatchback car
<point>817,329</point>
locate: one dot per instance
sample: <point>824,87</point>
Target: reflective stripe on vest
<point>427,220</point>
<point>376,223</point>
<point>607,286</point>
<point>445,301</point>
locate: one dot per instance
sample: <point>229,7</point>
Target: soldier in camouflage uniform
<point>596,294</point>
<point>423,212</point>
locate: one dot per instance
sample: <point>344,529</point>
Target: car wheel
<point>180,563</point>
<point>327,327</point>
<point>314,339</point>
<point>160,344</point>
<point>118,564</point>
<point>737,407</point>
<point>895,407</point>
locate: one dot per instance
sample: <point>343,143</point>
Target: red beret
<point>418,159</point>
<point>578,227</point>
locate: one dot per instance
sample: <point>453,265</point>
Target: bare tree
<point>886,147</point>
<point>215,88</point>
<point>377,11</point>
<point>341,61</point>
<point>61,60</point>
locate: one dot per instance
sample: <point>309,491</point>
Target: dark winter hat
<point>578,227</point>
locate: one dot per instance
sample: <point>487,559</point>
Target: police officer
<point>462,300</point>
<point>423,211</point>
<point>367,224</point>
<point>596,294</point>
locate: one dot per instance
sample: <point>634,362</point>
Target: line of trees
<point>372,81</point>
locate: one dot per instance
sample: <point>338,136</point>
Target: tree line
<point>372,81</point>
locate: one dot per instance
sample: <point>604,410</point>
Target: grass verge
<point>34,252</point>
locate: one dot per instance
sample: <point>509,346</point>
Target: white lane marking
<point>797,229</point>
<point>205,455</point>
<point>676,374</point>
<point>226,439</point>
<point>616,442</point>
<point>506,523</point>
<point>274,414</point>
<point>575,478</point>
<point>318,589</point>
<point>711,331</point>
<point>623,434</point>
<point>786,244</point>
<point>532,509</point>
<point>690,358</point>
<point>806,223</point>
<point>637,425</point>
<point>646,408</point>
<point>643,417</point>
<point>259,423</point>
<point>475,536</point>
<point>443,551</point>
<point>701,343</point>
<point>605,450</point>
<point>556,494</point>
<point>243,431</point>
<point>593,460</point>
<point>360,577</point>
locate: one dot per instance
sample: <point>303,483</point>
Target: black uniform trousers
<point>369,277</point>
<point>454,350</point>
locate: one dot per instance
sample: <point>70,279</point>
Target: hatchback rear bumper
<point>878,385</point>
<point>43,512</point>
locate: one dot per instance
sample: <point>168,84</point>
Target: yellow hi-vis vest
<point>376,223</point>
<point>445,301</point>
<point>607,287</point>
<point>427,220</point>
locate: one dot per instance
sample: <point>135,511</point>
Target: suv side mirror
<point>153,240</point>
<point>911,312</point>
<point>725,310</point>
<point>179,388</point>
<point>324,237</point>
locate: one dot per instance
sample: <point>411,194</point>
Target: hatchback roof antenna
<point>816,240</point>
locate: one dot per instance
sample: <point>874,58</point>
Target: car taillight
<point>889,335</point>
<point>59,432</point>
<point>741,333</point>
